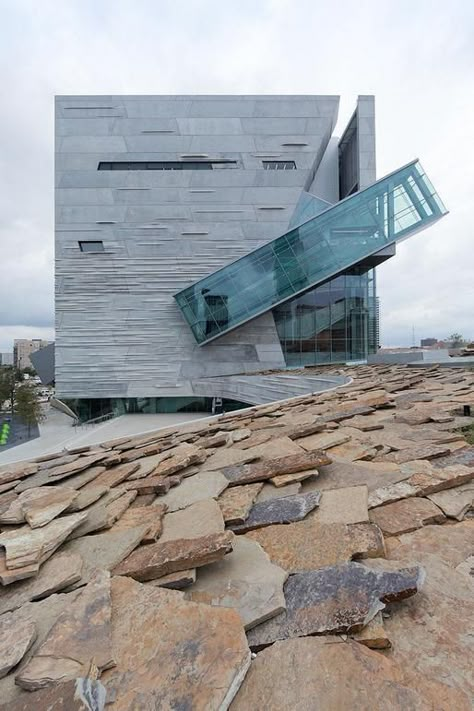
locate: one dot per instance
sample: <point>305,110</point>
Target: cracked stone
<point>373,635</point>
<point>338,599</point>
<point>455,503</point>
<point>149,516</point>
<point>16,637</point>
<point>56,574</point>
<point>27,546</point>
<point>394,492</point>
<point>276,511</point>
<point>440,479</point>
<point>172,653</point>
<point>80,634</point>
<point>245,580</point>
<point>322,673</point>
<point>204,518</point>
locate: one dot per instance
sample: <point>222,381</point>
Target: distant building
<point>427,342</point>
<point>23,348</point>
<point>6,358</point>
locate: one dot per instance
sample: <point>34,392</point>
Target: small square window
<point>91,246</point>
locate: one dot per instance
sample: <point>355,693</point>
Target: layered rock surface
<point>339,501</point>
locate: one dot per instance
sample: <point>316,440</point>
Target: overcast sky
<point>416,57</point>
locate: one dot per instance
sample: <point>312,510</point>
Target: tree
<point>456,340</point>
<point>8,386</point>
<point>27,405</point>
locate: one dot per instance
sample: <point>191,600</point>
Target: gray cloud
<point>417,58</point>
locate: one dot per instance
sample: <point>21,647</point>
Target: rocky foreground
<point>312,554</point>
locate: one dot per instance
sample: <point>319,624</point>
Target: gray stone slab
<point>283,510</point>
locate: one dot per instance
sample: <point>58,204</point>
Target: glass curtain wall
<point>333,323</point>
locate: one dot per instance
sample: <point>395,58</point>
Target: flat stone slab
<point>38,506</point>
<point>269,491</point>
<point>325,440</point>
<point>260,471</point>
<point>440,479</point>
<point>56,574</point>
<point>172,653</point>
<point>8,577</point>
<point>455,503</point>
<point>104,551</point>
<point>286,479</point>
<point>236,502</point>
<point>150,516</point>
<point>390,494</point>
<point>26,546</point>
<point>80,634</point>
<point>346,505</point>
<point>283,510</point>
<point>275,448</point>
<point>326,674</point>
<point>16,637</point>
<point>77,695</point>
<point>14,472</point>
<point>227,457</point>
<point>422,451</point>
<point>245,580</point>
<point>158,559</point>
<point>333,600</point>
<point>307,545</point>
<point>204,518</point>
<point>105,512</point>
<point>203,485</point>
<point>406,515</point>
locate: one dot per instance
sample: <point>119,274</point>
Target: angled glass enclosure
<point>340,237</point>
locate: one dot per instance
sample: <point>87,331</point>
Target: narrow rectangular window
<point>166,165</point>
<point>90,246</point>
<point>279,165</point>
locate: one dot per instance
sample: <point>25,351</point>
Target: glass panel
<point>327,244</point>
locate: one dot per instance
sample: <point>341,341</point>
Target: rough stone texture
<point>115,475</point>
<point>325,440</point>
<point>227,457</point>
<point>7,577</point>
<point>347,505</point>
<point>245,580</point>
<point>77,695</point>
<point>433,633</point>
<point>86,497</point>
<point>269,491</point>
<point>371,474</point>
<point>13,472</point>
<point>152,484</point>
<point>307,545</point>
<point>203,485</point>
<point>440,479</point>
<point>260,471</point>
<point>337,599</point>
<point>44,613</point>
<point>276,448</point>
<point>286,479</point>
<point>406,515</point>
<point>105,512</point>
<point>174,464</point>
<point>16,637</point>
<point>455,503</point>
<point>204,518</point>
<point>326,674</point>
<point>105,550</point>
<point>150,516</point>
<point>283,510</point>
<point>389,494</point>
<point>26,546</point>
<point>175,581</point>
<point>236,502</point>
<point>45,507</point>
<point>55,575</point>
<point>171,653</point>
<point>158,559</point>
<point>373,635</point>
<point>80,634</point>
<point>422,451</point>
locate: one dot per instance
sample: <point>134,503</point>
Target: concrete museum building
<point>199,237</point>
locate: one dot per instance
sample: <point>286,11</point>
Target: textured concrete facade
<point>119,332</point>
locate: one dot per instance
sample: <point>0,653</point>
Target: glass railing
<point>390,210</point>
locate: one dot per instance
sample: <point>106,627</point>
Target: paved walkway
<point>57,432</point>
